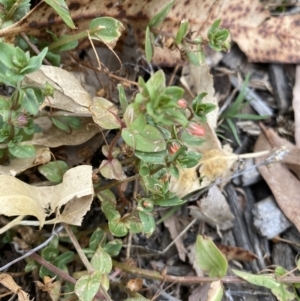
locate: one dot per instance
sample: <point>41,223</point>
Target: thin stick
<point>30,252</point>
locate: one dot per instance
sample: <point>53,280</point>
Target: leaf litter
<point>74,195</point>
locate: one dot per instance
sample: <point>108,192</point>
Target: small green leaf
<point>189,159</point>
<point>148,223</point>
<point>213,29</point>
<point>108,206</point>
<point>134,118</point>
<point>67,46</point>
<point>98,237</point>
<point>122,97</point>
<point>32,99</point>
<point>159,18</point>
<point>209,258</point>
<point>280,290</point>
<point>54,171</point>
<point>193,58</point>
<point>251,116</point>
<point>67,123</point>
<point>183,29</point>
<point>87,286</point>
<point>64,259</point>
<point>152,158</point>
<point>144,169</point>
<point>149,139</point>
<point>50,253</point>
<point>149,44</point>
<point>233,129</point>
<point>101,261</point>
<point>156,85</point>
<point>62,10</point>
<point>112,169</point>
<point>30,266</point>
<point>106,29</point>
<point>105,113</point>
<point>113,247</point>
<point>191,140</point>
<point>35,62</point>
<point>117,227</point>
<point>174,171</point>
<point>22,151</point>
<point>169,200</point>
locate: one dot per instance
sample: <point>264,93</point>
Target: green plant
<point>233,112</point>
<point>190,48</point>
<point>156,127</point>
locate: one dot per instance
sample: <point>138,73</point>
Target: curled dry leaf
<point>76,190</point>
<point>213,209</point>
<point>248,22</point>
<point>279,178</point>
<point>9,283</point>
<point>17,165</point>
<point>69,95</point>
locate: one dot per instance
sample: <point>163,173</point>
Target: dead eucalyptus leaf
<point>19,198</point>
<point>10,284</point>
<point>213,209</point>
<point>248,23</point>
<point>278,176</point>
<point>17,165</point>
<point>236,253</point>
<point>52,136</point>
<point>69,95</point>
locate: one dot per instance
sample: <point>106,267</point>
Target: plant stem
<point>190,279</point>
<point>77,246</point>
<point>13,9</point>
<point>83,258</point>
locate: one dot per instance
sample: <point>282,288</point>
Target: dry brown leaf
<point>17,165</point>
<point>262,37</point>
<point>213,209</point>
<point>292,156</point>
<point>76,190</point>
<point>69,95</point>
<point>236,253</point>
<point>9,283</point>
<point>283,183</point>
<point>52,136</point>
<point>174,228</point>
<point>52,287</point>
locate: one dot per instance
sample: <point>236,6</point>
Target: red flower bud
<point>173,148</point>
<point>182,103</point>
<point>21,121</point>
<point>196,129</point>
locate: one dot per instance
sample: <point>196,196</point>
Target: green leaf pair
<point>15,63</point>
